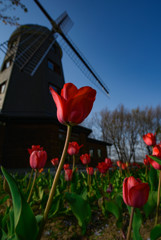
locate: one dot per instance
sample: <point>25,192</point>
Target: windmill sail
<point>70,47</point>
<point>32,50</point>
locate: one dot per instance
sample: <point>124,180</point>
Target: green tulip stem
<point>120,170</point>
<point>55,181</point>
<point>158,199</point>
<point>130,224</point>
<point>146,172</point>
<point>73,162</point>
<point>32,187</point>
<point>31,174</point>
<point>87,176</point>
<point>108,175</point>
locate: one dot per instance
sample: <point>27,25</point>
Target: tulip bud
<point>55,161</point>
<point>85,158</point>
<point>73,148</point>
<point>150,139</point>
<point>73,105</point>
<point>135,193</point>
<point>38,159</point>
<point>90,170</point>
<point>108,162</point>
<point>66,166</point>
<point>102,167</point>
<point>68,174</point>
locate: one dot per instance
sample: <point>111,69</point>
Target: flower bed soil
<point>100,228</point>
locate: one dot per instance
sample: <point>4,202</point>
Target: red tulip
<point>85,158</point>
<point>157,151</point>
<point>135,193</point>
<point>146,161</point>
<point>154,163</point>
<point>123,166</point>
<point>150,139</point>
<point>38,159</point>
<point>119,163</point>
<point>35,148</point>
<point>73,148</point>
<point>55,161</point>
<point>108,162</point>
<point>73,105</point>
<point>66,166</point>
<point>90,170</point>
<point>68,174</point>
<point>102,167</point>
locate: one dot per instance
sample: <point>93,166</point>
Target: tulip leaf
<point>114,208</point>
<point>150,206</point>
<point>155,232</point>
<point>156,159</point>
<point>137,221</point>
<point>39,219</point>
<point>25,225</point>
<point>153,179</point>
<point>80,208</point>
<point>56,204</point>
<point>111,207</point>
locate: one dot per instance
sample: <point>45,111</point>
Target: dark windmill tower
<point>32,63</point>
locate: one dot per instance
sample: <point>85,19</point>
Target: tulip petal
<point>139,195</point>
<point>87,92</point>
<point>68,91</point>
<point>125,191</point>
<point>33,160</point>
<point>154,164</point>
<point>127,185</point>
<point>61,106</point>
<point>79,108</point>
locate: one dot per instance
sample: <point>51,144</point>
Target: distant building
<point>32,63</point>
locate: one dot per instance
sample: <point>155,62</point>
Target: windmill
<point>31,64</point>
<point>70,48</point>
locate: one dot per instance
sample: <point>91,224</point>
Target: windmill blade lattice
<point>96,80</point>
<point>82,61</point>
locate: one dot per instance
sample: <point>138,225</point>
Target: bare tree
<point>125,129</point>
<point>7,5</point>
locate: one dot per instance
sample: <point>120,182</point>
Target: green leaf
<point>39,218</point>
<point>150,205</point>
<point>113,207</point>
<point>4,199</point>
<point>80,208</point>
<point>153,179</point>
<point>137,221</point>
<point>25,224</point>
<point>56,204</point>
<point>155,232</point>
<point>11,223</point>
<point>156,159</point>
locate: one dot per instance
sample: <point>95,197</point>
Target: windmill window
<point>54,67</point>
<point>2,87</point>
<point>91,152</point>
<point>99,153</point>
<point>7,63</point>
<point>50,65</point>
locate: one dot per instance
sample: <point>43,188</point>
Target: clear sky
<point>121,40</point>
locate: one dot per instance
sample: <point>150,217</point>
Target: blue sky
<point>121,40</point>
